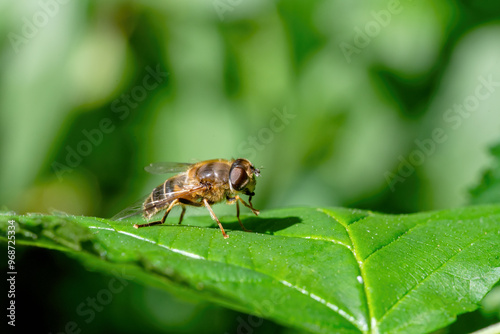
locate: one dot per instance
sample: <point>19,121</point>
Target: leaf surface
<point>326,270</point>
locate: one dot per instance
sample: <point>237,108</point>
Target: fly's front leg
<point>250,206</point>
<point>214,217</point>
<point>238,216</point>
<point>231,200</point>
<point>172,204</point>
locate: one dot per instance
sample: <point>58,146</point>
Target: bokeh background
<point>338,102</point>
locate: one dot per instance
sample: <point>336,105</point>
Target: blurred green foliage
<point>367,85</point>
<point>488,191</point>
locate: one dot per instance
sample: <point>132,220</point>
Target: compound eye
<point>238,178</point>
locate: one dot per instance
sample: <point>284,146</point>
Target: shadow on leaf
<point>263,225</point>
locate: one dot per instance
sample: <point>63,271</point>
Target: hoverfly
<point>199,184</point>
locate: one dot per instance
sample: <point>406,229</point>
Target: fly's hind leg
<point>185,202</point>
<point>172,204</point>
<point>214,217</point>
<point>182,213</point>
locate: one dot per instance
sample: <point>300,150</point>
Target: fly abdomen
<point>162,196</point>
<point>151,204</point>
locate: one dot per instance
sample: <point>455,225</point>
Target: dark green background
<point>231,67</point>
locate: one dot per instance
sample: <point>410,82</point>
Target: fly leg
<point>172,204</point>
<point>231,200</point>
<point>182,213</point>
<point>250,206</point>
<point>185,202</point>
<point>214,217</point>
<point>238,216</point>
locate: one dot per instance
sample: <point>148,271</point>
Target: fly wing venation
<point>144,205</point>
<point>167,167</point>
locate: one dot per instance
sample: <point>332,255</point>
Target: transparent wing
<point>139,207</point>
<point>167,167</point>
<point>132,210</point>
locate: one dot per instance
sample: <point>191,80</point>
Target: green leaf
<point>325,270</point>
<point>488,191</point>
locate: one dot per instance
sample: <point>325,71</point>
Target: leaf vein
<point>316,298</point>
<point>360,325</point>
<point>358,261</point>
<point>174,250</point>
<point>407,293</point>
<point>421,223</point>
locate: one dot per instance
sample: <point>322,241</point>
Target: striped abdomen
<point>163,195</point>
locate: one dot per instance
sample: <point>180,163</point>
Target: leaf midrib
<point>361,262</point>
<point>360,266</point>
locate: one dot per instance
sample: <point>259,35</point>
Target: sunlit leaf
<point>325,270</point>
